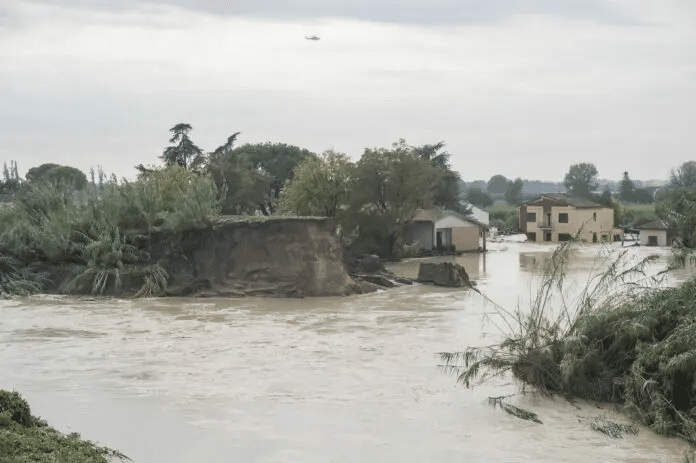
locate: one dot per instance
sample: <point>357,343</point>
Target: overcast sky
<point>513,87</point>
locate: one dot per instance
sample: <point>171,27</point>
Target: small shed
<point>435,228</point>
<point>657,233</point>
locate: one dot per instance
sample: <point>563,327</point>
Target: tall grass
<point>104,231</point>
<point>622,338</point>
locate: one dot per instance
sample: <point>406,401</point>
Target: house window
<point>594,237</point>
<point>562,217</point>
<point>652,240</point>
<point>564,237</point>
<point>547,236</point>
<point>594,216</point>
<point>531,236</point>
<point>531,216</point>
<point>605,237</point>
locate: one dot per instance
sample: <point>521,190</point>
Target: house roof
<point>477,214</point>
<point>567,199</point>
<point>435,214</point>
<point>656,225</point>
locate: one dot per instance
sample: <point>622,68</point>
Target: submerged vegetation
<point>624,338</point>
<point>24,437</point>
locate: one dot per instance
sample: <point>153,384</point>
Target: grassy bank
<point>25,438</point>
<point>623,339</point>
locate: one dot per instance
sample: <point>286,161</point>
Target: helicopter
<point>313,37</point>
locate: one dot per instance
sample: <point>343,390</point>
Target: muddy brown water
<point>307,380</point>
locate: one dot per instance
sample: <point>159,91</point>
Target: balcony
<point>545,225</point>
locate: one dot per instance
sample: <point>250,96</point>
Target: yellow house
<point>560,217</point>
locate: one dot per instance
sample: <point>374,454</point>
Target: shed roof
<point>655,225</point>
<point>435,214</point>
<point>567,200</point>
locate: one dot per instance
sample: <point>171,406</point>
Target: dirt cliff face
<point>277,256</point>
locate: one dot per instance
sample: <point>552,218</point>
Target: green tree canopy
<point>389,185</point>
<point>183,152</point>
<point>277,161</point>
<point>319,187</point>
<point>626,188</point>
<point>446,192</point>
<point>242,188</point>
<point>679,209</point>
<point>513,194</point>
<point>497,185</point>
<point>684,177</point>
<point>55,173</point>
<point>581,179</point>
<point>11,181</point>
<point>478,197</point>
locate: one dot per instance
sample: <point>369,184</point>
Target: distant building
<point>656,233</point>
<point>559,217</point>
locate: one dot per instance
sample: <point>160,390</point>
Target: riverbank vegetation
<point>24,437</point>
<point>624,338</point>
<point>99,235</point>
<point>100,231</point>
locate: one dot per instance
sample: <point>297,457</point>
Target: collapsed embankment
<point>277,256</point>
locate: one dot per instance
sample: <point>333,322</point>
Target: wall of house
<point>465,238</point>
<point>420,233</point>
<point>578,219</point>
<point>533,227</point>
<point>464,235</point>
<point>643,237</point>
<point>584,219</point>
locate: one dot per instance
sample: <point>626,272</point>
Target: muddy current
<point>305,380</point>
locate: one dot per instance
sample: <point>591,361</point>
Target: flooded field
<point>306,380</point>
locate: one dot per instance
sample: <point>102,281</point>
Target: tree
<point>277,161</point>
<point>643,196</point>
<point>446,190</point>
<point>432,154</point>
<point>679,209</point>
<point>478,197</point>
<point>388,186</point>
<point>242,188</point>
<point>626,188</point>
<point>684,177</point>
<point>184,152</point>
<point>513,194</point>
<point>319,187</point>
<point>11,182</point>
<point>57,174</point>
<point>581,179</point>
<point>497,185</point>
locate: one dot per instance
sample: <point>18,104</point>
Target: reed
<point>624,338</point>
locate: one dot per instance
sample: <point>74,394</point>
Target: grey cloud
<point>424,12</point>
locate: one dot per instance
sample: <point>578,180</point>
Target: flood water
<point>305,380</point>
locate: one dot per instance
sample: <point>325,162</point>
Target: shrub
<point>12,404</point>
<point>624,339</point>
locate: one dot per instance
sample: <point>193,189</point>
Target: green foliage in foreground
<point>624,339</point>
<point>24,438</point>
